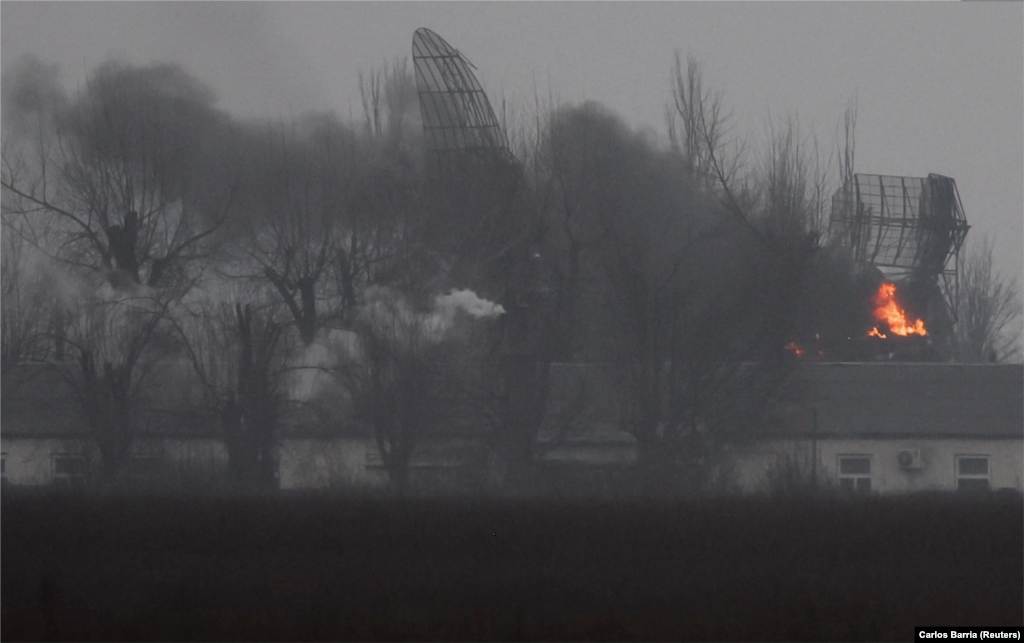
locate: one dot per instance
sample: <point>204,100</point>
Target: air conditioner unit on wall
<point>910,459</point>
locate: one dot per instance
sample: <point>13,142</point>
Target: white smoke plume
<point>468,301</point>
<point>391,314</point>
<point>313,366</point>
<point>388,312</point>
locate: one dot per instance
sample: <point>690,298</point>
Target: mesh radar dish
<point>902,225</point>
<point>457,117</point>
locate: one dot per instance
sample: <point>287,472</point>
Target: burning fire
<point>888,311</point>
<point>800,351</point>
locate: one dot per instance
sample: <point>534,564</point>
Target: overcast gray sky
<point>940,86</point>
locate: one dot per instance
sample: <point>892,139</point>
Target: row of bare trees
<point>685,265</point>
<point>173,233</point>
<point>303,267</point>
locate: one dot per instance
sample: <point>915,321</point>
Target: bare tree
<point>569,203</point>
<point>697,352</point>
<point>395,383</point>
<point>390,111</point>
<point>793,184</point>
<point>239,355</point>
<point>125,186</point>
<point>647,249</point>
<point>988,309</point>
<point>292,239</point>
<point>470,224</point>
<point>703,268</point>
<point>848,146</point>
<point>371,92</point>
<point>699,127</point>
<point>122,179</point>
<point>112,343</point>
<point>23,316</point>
<point>330,210</point>
<point>319,225</point>
<point>27,306</point>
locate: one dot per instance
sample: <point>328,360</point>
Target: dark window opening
<point>855,473</point>
<point>972,473</point>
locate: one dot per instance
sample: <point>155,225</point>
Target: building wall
<point>309,463</point>
<point>303,463</point>
<point>754,464</point>
<point>30,461</point>
<point>188,461</point>
<point>319,463</point>
<point>355,463</point>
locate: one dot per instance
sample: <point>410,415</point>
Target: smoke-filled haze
<point>940,86</point>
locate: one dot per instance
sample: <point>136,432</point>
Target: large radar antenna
<point>458,120</point>
<point>909,228</point>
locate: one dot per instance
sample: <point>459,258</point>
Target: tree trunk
<point>526,383</point>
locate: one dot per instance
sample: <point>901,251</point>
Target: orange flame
<point>793,346</point>
<point>888,311</point>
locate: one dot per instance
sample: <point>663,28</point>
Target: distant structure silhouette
<point>458,120</point>
<point>911,229</point>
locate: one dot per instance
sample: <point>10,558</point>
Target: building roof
<point>902,400</point>
<point>38,401</point>
<point>889,400</point>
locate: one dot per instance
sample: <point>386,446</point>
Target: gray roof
<point>851,400</point>
<point>39,402</point>
<point>903,400</point>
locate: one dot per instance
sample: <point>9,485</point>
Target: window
<point>972,473</point>
<point>855,473</point>
<point>70,470</point>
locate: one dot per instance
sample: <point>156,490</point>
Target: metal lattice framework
<point>902,225</point>
<point>457,117</point>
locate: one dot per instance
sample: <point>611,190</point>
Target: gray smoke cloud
<point>390,314</point>
<point>30,89</point>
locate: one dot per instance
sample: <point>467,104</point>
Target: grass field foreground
<point>320,568</point>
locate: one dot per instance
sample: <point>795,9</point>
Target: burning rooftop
<point>908,231</point>
<point>889,312</point>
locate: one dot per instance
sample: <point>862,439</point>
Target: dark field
<point>302,568</point>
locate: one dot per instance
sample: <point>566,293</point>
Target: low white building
<point>44,441</point>
<point>872,428</point>
<point>891,428</point>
